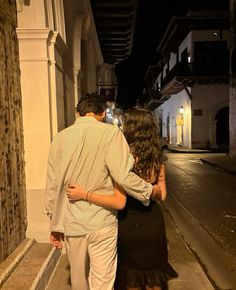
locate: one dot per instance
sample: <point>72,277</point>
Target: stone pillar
<point>76,85</point>
<point>39,105</point>
<point>39,119</point>
<point>232,94</point>
<point>77,56</point>
<point>57,48</point>
<point>12,176</point>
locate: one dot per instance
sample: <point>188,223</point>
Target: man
<point>94,155</point>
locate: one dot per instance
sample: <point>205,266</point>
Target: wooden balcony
<point>194,73</point>
<point>153,99</point>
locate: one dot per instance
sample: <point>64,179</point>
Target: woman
<point>142,246</point>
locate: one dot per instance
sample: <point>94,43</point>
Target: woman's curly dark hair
<point>141,132</point>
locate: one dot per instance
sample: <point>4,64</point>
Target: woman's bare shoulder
<point>160,175</point>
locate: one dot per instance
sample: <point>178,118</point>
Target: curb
<point>5,275</point>
<point>217,265</point>
<point>41,280</point>
<point>170,150</point>
<point>194,151</point>
<point>44,262</point>
<point>204,161</point>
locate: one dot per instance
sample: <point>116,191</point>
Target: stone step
<point>29,267</point>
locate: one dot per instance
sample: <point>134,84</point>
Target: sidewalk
<point>185,262</point>
<point>216,159</point>
<point>191,274</point>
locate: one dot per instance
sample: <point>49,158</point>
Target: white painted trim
<point>59,42</point>
<point>57,6</point>
<point>19,5</point>
<point>32,33</point>
<point>49,15</point>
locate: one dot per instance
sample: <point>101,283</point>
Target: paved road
<point>202,203</point>
<point>208,194</point>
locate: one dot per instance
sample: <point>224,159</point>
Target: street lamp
<point>181,110</point>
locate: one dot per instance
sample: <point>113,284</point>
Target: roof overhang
<point>115,21</point>
<point>179,27</point>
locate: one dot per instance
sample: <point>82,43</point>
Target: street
<point>207,196</point>
<point>200,213</point>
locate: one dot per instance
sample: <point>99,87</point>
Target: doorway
<point>222,128</point>
<point>168,128</point>
<point>160,127</point>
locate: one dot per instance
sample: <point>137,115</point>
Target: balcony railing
<point>189,72</point>
<point>153,99</point>
<point>153,94</point>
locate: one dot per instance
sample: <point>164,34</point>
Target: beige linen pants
<point>93,259</point>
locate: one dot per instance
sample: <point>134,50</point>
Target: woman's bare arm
<point>162,183</point>
<point>117,200</point>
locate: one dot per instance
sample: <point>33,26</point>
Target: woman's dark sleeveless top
<point>142,246</point>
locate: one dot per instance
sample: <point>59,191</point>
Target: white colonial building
<point>60,60</point>
<point>52,53</point>
<point>192,81</point>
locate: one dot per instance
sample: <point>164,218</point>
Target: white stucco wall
<point>50,62</point>
<point>32,16</point>
<point>198,131</point>
<point>171,108</point>
<point>209,35</point>
<point>209,99</point>
<point>186,43</point>
<point>35,102</point>
<point>172,60</point>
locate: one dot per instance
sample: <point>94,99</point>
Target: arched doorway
<point>160,127</point>
<point>222,127</point>
<point>168,127</point>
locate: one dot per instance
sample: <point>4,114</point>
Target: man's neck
<point>97,117</point>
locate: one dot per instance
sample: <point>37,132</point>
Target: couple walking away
<point>94,170</point>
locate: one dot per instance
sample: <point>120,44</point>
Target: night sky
<point>152,19</point>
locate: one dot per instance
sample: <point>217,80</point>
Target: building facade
<point>192,86</point>
<point>60,60</point>
<point>50,57</point>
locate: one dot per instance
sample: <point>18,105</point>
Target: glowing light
<point>115,121</point>
<point>181,110</point>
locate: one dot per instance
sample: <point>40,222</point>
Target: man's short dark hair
<point>91,103</point>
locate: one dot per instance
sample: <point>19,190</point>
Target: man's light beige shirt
<point>94,155</point>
